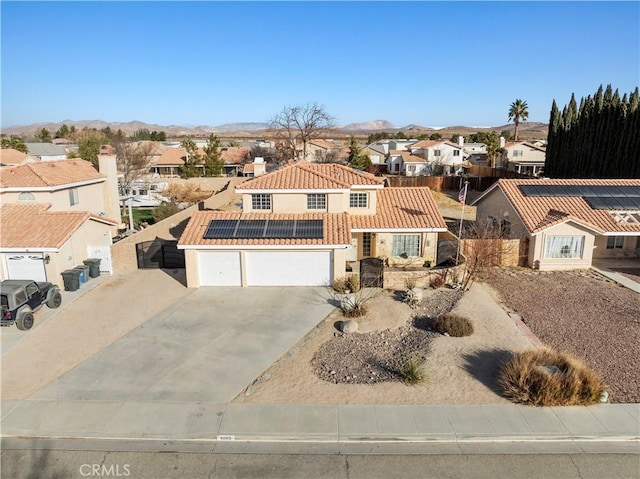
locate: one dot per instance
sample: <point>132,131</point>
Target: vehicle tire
<point>55,300</point>
<point>24,321</point>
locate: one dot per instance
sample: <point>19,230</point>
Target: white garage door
<point>25,266</point>
<point>288,268</point>
<point>219,268</point>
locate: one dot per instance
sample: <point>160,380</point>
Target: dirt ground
<point>459,370</point>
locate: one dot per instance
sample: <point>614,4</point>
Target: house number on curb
<point>226,438</point>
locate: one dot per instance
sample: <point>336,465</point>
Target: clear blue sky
<point>209,63</point>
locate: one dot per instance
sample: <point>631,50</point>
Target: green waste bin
<point>71,279</point>
<point>94,266</point>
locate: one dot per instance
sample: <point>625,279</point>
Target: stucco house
<point>305,224</point>
<point>320,150</point>
<point>171,159</point>
<point>402,162</point>
<point>523,157</point>
<point>54,215</point>
<point>47,151</point>
<point>439,154</point>
<point>12,157</point>
<point>567,223</point>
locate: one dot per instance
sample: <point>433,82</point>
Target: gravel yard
<point>584,314</point>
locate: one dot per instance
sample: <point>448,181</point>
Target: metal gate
<point>159,253</point>
<point>371,273</point>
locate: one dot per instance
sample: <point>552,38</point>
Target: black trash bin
<point>71,278</point>
<point>94,266</point>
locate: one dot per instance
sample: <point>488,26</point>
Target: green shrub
<point>544,377</point>
<point>412,371</point>
<point>453,324</point>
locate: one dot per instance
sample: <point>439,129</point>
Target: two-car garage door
<point>265,268</point>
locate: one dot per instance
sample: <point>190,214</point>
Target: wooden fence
<point>479,177</point>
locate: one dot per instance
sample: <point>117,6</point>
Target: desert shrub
<point>412,371</point>
<point>453,324</point>
<point>353,281</point>
<point>340,285</point>
<point>544,377</point>
<point>411,298</point>
<point>355,311</point>
<point>436,281</point>
<point>410,283</point>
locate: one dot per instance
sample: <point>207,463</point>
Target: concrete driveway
<point>206,347</point>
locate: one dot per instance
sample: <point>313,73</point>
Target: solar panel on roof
<point>221,229</point>
<point>591,191</point>
<point>279,229</point>
<point>309,229</point>
<point>255,229</point>
<point>250,229</point>
<point>629,202</point>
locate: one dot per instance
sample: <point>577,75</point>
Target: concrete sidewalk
<point>281,428</point>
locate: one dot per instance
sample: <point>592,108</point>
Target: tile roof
<point>234,155</point>
<point>326,144</point>
<point>336,229</point>
<point>402,208</point>
<point>430,143</point>
<point>311,176</point>
<point>32,226</point>
<point>48,174</point>
<point>542,212</point>
<point>407,157</point>
<point>510,144</point>
<point>9,156</point>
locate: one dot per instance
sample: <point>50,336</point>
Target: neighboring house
<point>404,163</point>
<point>303,225</point>
<point>255,169</point>
<point>320,150</point>
<point>401,144</point>
<point>47,151</point>
<point>39,244</point>
<point>145,194</point>
<point>442,156</point>
<point>523,157</point>
<point>567,223</point>
<point>377,152</point>
<point>169,162</point>
<point>11,157</point>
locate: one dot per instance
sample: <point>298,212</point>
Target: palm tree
<point>518,112</point>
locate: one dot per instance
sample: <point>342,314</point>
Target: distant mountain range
<point>252,129</point>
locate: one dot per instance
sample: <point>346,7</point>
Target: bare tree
<point>133,161</point>
<point>301,123</point>
<point>486,244</point>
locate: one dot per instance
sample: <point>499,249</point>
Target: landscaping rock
<point>350,326</point>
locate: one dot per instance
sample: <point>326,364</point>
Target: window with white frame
<point>405,245</point>
<point>358,200</point>
<point>517,153</point>
<point>73,196</point>
<point>615,242</point>
<point>261,202</point>
<point>564,247</point>
<point>316,201</point>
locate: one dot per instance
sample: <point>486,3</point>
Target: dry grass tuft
<point>548,378</point>
<point>453,324</point>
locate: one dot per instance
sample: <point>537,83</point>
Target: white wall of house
<point>415,169</point>
<point>521,153</point>
<point>442,153</point>
<point>394,163</point>
<point>89,198</point>
<point>538,253</point>
<point>402,145</point>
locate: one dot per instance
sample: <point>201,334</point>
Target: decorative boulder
<point>350,326</point>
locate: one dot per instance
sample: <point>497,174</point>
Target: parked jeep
<point>19,298</point>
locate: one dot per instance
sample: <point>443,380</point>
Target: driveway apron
<point>205,348</point>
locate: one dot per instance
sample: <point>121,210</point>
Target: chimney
<point>107,166</point>
<point>460,141</point>
<point>258,166</point>
<point>502,142</point>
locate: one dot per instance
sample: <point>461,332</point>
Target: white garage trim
<point>219,268</point>
<point>288,268</point>
<point>25,266</point>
